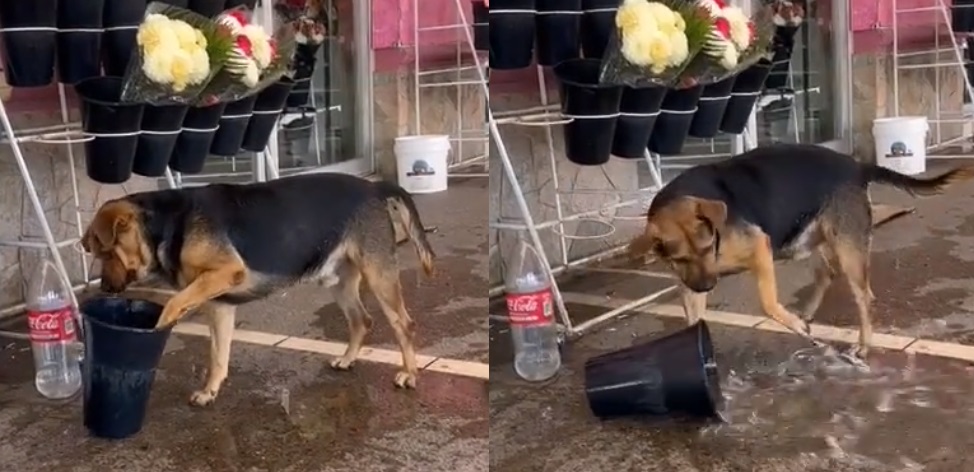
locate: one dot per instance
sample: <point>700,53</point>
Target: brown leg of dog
<point>359,322</point>
<point>854,261</point>
<point>384,282</point>
<point>221,319</point>
<point>694,304</point>
<point>824,274</point>
<point>763,269</point>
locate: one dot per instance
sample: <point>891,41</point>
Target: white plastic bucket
<point>901,143</point>
<point>421,162</point>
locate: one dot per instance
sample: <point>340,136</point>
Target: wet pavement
<point>286,411</point>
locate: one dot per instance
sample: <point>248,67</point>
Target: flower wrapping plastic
<point>653,42</point>
<point>178,53</point>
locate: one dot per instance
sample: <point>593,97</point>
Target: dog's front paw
<point>202,398</point>
<point>859,351</point>
<point>405,379</point>
<point>342,363</point>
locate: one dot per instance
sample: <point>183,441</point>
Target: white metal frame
<point>957,46</point>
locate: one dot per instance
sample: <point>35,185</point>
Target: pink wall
<point>393,34</point>
<point>872,23</point>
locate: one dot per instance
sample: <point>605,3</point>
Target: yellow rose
<point>201,66</point>
<point>185,34</point>
<point>636,47</point>
<point>635,15</point>
<point>156,34</point>
<point>661,13</point>
<point>659,52</point>
<point>680,48</point>
<point>157,66</point>
<point>201,39</point>
<point>681,24</point>
<point>181,69</point>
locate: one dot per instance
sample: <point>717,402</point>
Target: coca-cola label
<point>51,326</point>
<point>530,309</point>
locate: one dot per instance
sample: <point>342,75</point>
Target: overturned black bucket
<point>673,124</point>
<point>747,89</point>
<point>122,351</point>
<point>637,117</point>
<point>670,377</point>
<point>593,108</point>
<point>711,108</point>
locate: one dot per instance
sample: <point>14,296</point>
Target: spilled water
<point>889,415</point>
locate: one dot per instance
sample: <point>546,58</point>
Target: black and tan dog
<point>224,245</point>
<point>776,202</point>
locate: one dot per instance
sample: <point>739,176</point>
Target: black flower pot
<point>673,123</point>
<point>305,58</point>
<point>711,108</point>
<point>638,112</point>
<point>233,124</point>
<point>557,24</point>
<point>267,109</point>
<point>193,143</point>
<point>512,28</point>
<point>962,16</point>
<point>594,108</point>
<point>481,26</point>
<point>747,89</point>
<point>598,22</point>
<point>297,137</point>
<point>29,38</point>
<point>79,25</point>
<point>176,3</point>
<point>250,4</point>
<point>207,8</point>
<point>114,126</point>
<point>161,126</point>
<point>783,44</point>
<point>121,20</point>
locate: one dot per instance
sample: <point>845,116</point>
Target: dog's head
<point>116,239</point>
<point>685,234</point>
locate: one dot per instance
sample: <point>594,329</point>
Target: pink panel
<point>392,21</point>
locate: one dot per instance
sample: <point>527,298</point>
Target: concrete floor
<point>284,410</point>
<point>911,412</point>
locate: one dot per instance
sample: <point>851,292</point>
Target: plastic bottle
<point>54,340</point>
<point>530,309</point>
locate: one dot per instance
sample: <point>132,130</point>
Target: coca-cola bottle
<point>530,309</point>
<point>53,337</point>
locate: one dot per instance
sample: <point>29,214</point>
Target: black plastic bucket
<point>233,124</point>
<point>598,22</point>
<point>121,20</point>
<point>79,40</point>
<point>638,112</point>
<point>481,26</point>
<point>594,109</point>
<point>207,8</point>
<point>512,31</point>
<point>782,45</point>
<point>673,377</point>
<point>122,351</point>
<point>673,124</point>
<point>267,109</point>
<point>114,125</point>
<point>962,16</point>
<point>193,143</point>
<point>557,24</point>
<point>29,37</point>
<point>305,58</point>
<point>747,89</point>
<point>711,108</point>
<point>161,126</point>
<point>250,4</point>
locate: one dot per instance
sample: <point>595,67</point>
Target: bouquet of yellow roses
<point>256,60</point>
<point>653,42</point>
<point>178,52</point>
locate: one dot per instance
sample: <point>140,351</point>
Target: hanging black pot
<point>250,4</point>
<point>121,20</point>
<point>594,109</point>
<point>29,37</point>
<point>175,3</point>
<point>673,123</point>
<point>229,137</point>
<point>207,8</point>
<point>114,126</point>
<point>711,108</point>
<point>783,44</point>
<point>481,26</point>
<point>267,109</point>
<point>79,25</point>
<point>305,58</point>
<point>962,16</point>
<point>638,112</point>
<point>193,143</point>
<point>747,89</point>
<point>512,28</point>
<point>161,126</point>
<point>598,22</point>
<point>557,24</point>
<point>297,137</point>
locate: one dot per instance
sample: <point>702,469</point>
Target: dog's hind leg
<point>694,304</point>
<point>347,296</point>
<point>221,319</point>
<point>824,275</point>
<point>853,259</point>
<point>383,279</point>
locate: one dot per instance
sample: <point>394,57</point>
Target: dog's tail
<point>914,185</point>
<point>405,209</point>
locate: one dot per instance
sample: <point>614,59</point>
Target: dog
<point>778,202</point>
<point>224,245</point>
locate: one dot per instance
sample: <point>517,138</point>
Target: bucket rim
<point>895,119</point>
<point>416,137</point>
<point>706,348</point>
<point>128,329</point>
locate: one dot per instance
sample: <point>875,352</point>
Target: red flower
<point>753,29</point>
<point>723,26</point>
<point>243,42</point>
<point>720,3</point>
<point>273,45</point>
<point>239,16</point>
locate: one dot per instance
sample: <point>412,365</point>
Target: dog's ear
<point>106,227</point>
<point>644,243</point>
<point>714,211</point>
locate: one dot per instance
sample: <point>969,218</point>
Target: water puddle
<point>889,414</point>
